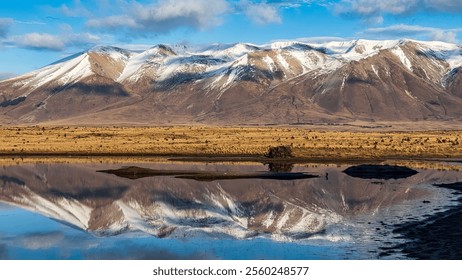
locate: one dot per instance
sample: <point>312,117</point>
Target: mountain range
<point>287,82</point>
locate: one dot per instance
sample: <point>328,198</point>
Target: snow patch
<point>282,61</point>
<point>73,70</point>
<point>133,66</point>
<point>133,218</point>
<point>230,51</point>
<point>270,63</point>
<point>343,82</point>
<point>362,49</point>
<point>70,211</point>
<point>402,57</point>
<point>409,94</point>
<point>375,70</point>
<point>451,53</point>
<point>282,221</point>
<point>269,220</point>
<point>112,52</point>
<point>81,70</point>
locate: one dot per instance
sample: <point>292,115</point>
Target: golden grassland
<point>226,141</point>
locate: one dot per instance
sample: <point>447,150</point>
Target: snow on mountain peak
<point>115,53</point>
<point>361,49</point>
<point>162,50</point>
<point>226,51</point>
<point>68,70</point>
<point>282,44</point>
<point>286,58</point>
<point>451,53</point>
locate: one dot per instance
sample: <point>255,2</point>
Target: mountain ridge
<point>278,83</point>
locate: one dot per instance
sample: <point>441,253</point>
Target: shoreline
<point>226,158</point>
<point>436,236</point>
<point>423,164</point>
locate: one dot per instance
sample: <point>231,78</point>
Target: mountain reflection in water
<point>242,208</point>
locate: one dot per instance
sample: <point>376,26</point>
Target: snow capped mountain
<point>77,67</point>
<point>287,56</point>
<point>358,79</point>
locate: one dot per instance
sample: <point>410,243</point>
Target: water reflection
<point>168,206</point>
<point>165,205</point>
<point>280,167</point>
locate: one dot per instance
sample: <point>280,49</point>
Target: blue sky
<point>36,33</point>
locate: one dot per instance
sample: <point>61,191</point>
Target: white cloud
<point>5,24</point>
<point>291,3</point>
<point>43,41</point>
<point>81,39</point>
<point>113,22</point>
<point>51,42</point>
<point>76,10</point>
<point>321,40</point>
<point>39,241</point>
<point>261,13</point>
<point>414,31</point>
<point>30,22</point>
<point>374,10</point>
<point>454,6</point>
<point>445,36</point>
<point>164,16</point>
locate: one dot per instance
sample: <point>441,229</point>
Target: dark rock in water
<point>386,172</point>
<point>134,172</point>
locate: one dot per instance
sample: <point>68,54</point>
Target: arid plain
<point>208,141</point>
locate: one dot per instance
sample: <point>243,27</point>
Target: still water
<point>211,211</point>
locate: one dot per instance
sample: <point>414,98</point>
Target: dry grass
<point>226,141</point>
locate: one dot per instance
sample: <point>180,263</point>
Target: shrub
<point>279,152</point>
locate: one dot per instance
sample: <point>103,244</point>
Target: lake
<point>234,210</point>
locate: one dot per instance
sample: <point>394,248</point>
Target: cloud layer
<point>261,13</point>
<point>131,19</point>
<point>76,10</point>
<point>50,42</point>
<point>5,24</point>
<point>164,16</point>
<point>403,31</point>
<point>374,10</point>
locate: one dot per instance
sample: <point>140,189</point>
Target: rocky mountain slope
<point>282,82</point>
